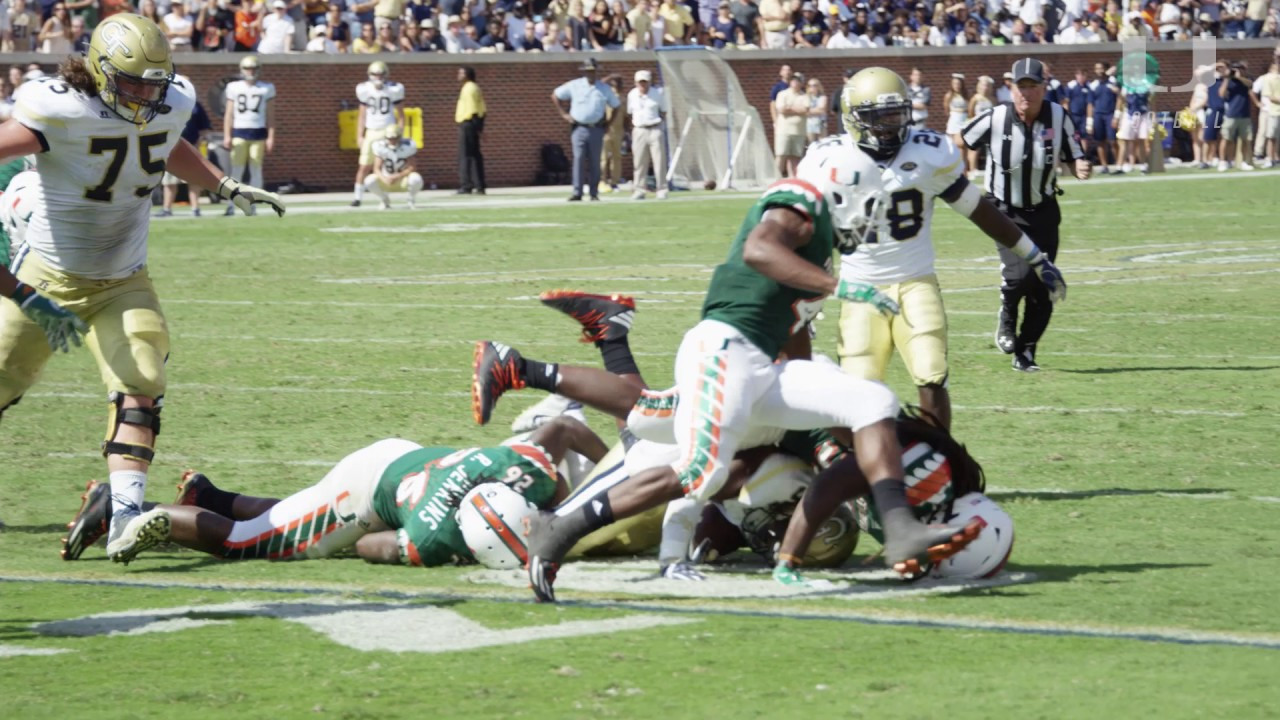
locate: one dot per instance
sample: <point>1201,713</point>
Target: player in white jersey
<point>248,123</point>
<point>381,101</point>
<point>393,167</point>
<point>918,166</point>
<point>103,133</point>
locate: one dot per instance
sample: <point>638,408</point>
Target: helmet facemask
<point>136,99</point>
<point>880,129</point>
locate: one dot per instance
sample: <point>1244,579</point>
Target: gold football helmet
<point>875,108</point>
<point>378,72</point>
<point>131,66</point>
<point>249,68</point>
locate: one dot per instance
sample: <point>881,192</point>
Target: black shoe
<point>1005,335</point>
<point>189,489</point>
<point>595,198</point>
<point>575,198</point>
<point>480,191</point>
<point>493,372</point>
<point>355,203</point>
<point>1025,361</point>
<point>460,191</point>
<point>91,521</point>
<point>603,317</point>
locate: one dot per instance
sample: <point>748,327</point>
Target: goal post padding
<point>713,133</point>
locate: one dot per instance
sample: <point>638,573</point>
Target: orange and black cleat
<point>603,317</point>
<point>91,522</point>
<point>495,369</point>
<point>189,489</point>
<point>916,566</point>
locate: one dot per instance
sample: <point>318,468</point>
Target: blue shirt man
<point>588,98</point>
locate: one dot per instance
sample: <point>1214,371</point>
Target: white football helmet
<point>491,518</point>
<point>852,185</point>
<point>987,555</point>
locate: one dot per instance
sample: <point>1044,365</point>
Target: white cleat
<point>550,407</point>
<point>143,532</point>
<point>386,205</point>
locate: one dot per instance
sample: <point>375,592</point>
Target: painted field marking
<point>1171,635</point>
<point>8,651</point>
<point>364,626</point>
<point>447,227</point>
<point>1042,409</point>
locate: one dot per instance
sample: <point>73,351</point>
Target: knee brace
<point>142,417</point>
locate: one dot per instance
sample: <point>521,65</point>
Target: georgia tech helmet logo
<point>114,37</point>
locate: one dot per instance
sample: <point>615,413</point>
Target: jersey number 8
<point>119,149</point>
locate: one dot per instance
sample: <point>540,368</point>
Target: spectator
<point>25,25</point>
<point>723,29</point>
<point>1101,121</point>
<point>1269,119</point>
<point>679,22</point>
<point>1135,27</point>
<point>940,34</point>
<point>841,38</point>
<point>79,35</point>
<point>784,82</point>
<point>86,9</point>
<point>367,43</point>
<point>984,99</point>
<point>339,30</point>
<point>215,25</point>
<point>919,96</point>
<point>555,40</point>
<point>956,101</point>
<point>1255,17</point>
<point>1096,32</point>
<point>1074,34</point>
<point>495,38</point>
<point>577,28</point>
<point>600,25</point>
<point>387,13</point>
<point>469,114</point>
<point>810,30</point>
<point>248,27</point>
<point>1232,19</point>
<point>621,26</point>
<point>529,42</point>
<point>1168,17</point>
<point>815,123</point>
<point>55,36</point>
<point>871,38</point>
<point>277,30</point>
<point>178,27</point>
<point>640,23</point>
<point>789,127</point>
<point>1134,132</point>
<point>777,24</point>
<point>319,41</point>
<point>1233,88</point>
<point>314,12</point>
<point>588,99</point>
<point>1039,33</point>
<point>1259,99</point>
<point>971,34</point>
<point>196,126</point>
<point>648,107</point>
<point>747,15</point>
<point>147,9</point>
<point>614,129</point>
<point>1004,93</point>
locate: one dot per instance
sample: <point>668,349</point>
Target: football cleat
<point>190,488</point>
<point>494,371</point>
<point>683,571</point>
<point>918,565</point>
<point>1025,361</point>
<point>548,408</point>
<point>546,550</point>
<point>1005,332</point>
<point>603,317</point>
<point>143,532</point>
<point>91,522</point>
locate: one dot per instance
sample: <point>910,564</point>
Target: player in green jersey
<point>393,502</point>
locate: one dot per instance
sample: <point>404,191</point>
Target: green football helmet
<point>131,66</point>
<point>875,108</point>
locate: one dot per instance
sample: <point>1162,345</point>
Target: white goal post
<point>713,133</point>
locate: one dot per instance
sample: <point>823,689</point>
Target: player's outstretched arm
<point>770,250</point>
<point>187,163</point>
<point>379,548</point>
<point>987,217</point>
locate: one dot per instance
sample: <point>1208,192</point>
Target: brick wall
<point>311,90</point>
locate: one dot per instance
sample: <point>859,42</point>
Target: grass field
<point>1141,467</point>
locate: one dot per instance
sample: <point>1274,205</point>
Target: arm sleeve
<point>562,92</point>
<point>397,93</point>
<point>978,132</point>
<point>271,92</point>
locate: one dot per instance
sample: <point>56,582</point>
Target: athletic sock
<point>359,191</point>
<point>540,375</point>
<point>217,500</point>
<point>891,502</point>
<point>617,356</point>
<point>593,515</point>
<point>127,489</point>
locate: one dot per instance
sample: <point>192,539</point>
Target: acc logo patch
<point>908,166</point>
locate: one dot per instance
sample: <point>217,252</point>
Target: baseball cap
<point>427,23</point>
<point>589,64</point>
<point>278,5</point>
<point>1028,69</point>
<point>644,75</point>
<point>809,5</point>
<point>1008,76</point>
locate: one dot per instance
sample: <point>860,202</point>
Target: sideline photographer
<point>1237,127</point>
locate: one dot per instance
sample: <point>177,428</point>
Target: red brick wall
<point>312,90</point>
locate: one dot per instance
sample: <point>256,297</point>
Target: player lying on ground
<point>393,501</point>
<point>764,482</point>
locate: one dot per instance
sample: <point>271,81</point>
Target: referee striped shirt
<point>1021,160</point>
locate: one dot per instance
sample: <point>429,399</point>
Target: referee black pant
<point>1019,281</point>
<point>470,161</point>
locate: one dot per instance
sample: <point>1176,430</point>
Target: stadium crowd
<point>461,26</point>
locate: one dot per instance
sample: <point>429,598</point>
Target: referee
<point>1024,139</point>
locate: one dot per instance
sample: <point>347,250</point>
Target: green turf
<point>1140,467</point>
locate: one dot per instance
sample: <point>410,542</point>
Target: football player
<point>728,372</point>
<point>393,501</point>
<point>916,165</point>
<point>393,167</point>
<point>248,123</point>
<point>103,131</point>
<point>381,102</point>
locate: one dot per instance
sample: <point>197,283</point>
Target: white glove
<point>246,196</point>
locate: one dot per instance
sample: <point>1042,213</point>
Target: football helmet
<point>249,69</point>
<point>987,555</point>
<point>875,109</point>
<point>852,185</point>
<point>131,66</point>
<point>378,72</point>
<point>834,542</point>
<point>491,517</point>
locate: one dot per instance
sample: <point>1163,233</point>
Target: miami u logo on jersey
<point>113,35</point>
